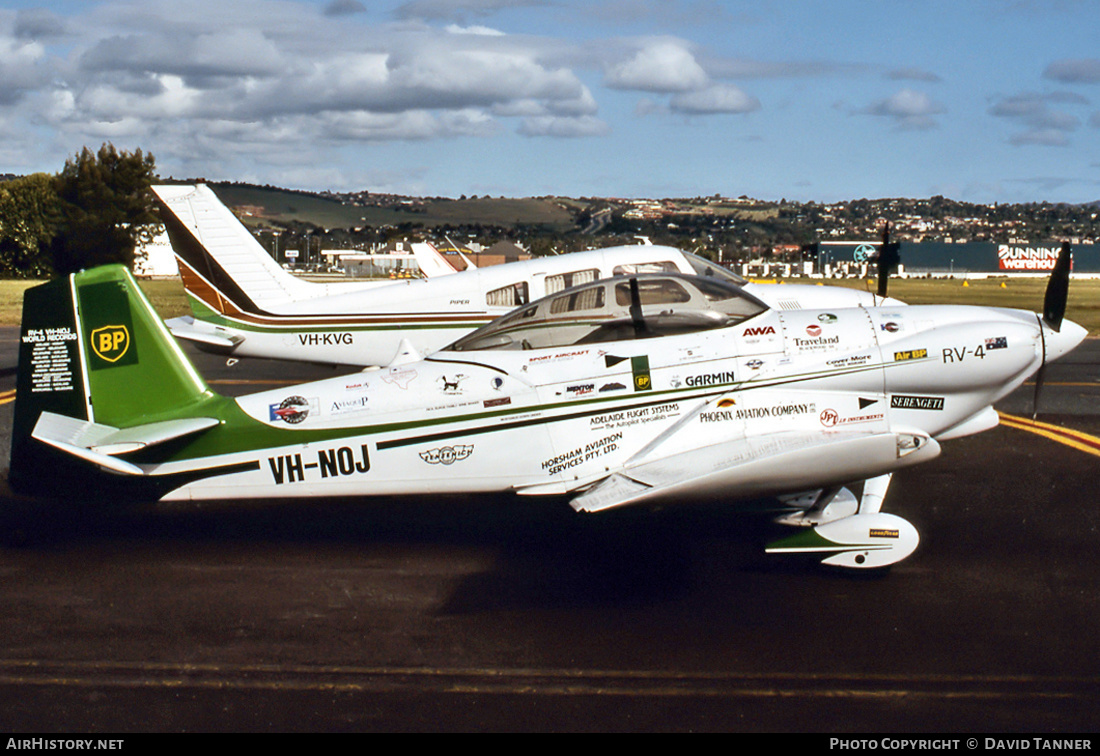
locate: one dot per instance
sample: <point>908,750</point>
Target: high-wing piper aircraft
<point>634,390</point>
<point>245,305</point>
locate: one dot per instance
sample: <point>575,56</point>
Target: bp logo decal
<point>111,343</point>
<point>639,366</point>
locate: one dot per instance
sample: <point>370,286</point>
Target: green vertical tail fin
<point>93,349</point>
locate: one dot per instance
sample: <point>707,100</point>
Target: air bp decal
<point>110,343</point>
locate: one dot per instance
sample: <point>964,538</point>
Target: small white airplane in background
<point>245,305</point>
<point>635,390</point>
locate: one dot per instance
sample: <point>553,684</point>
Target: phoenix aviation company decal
<point>757,413</point>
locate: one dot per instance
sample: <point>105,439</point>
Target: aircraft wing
<point>755,466</point>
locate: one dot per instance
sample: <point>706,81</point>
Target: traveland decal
<point>916,402</point>
<point>447,455</point>
<point>582,454</point>
<point>293,410</point>
<point>727,402</point>
<point>711,379</point>
<point>331,463</point>
<point>626,418</point>
<point>822,343</point>
<point>910,354</point>
<point>325,339</point>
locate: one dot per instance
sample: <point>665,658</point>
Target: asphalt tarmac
<point>506,614</point>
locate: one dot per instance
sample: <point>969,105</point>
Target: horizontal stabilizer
<point>183,328</point>
<point>99,444</point>
<point>751,466</point>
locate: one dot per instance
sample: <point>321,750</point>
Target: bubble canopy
<point>617,309</point>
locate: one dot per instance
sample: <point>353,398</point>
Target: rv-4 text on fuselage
<point>631,390</point>
<point>243,304</point>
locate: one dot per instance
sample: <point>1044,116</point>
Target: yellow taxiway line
<point>1067,436</point>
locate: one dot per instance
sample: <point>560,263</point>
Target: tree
<point>106,209</point>
<point>29,213</point>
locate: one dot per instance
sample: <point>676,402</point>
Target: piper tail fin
<point>224,269</point>
<point>95,358</point>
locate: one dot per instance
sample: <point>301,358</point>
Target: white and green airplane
<point>635,390</point>
<point>244,305</point>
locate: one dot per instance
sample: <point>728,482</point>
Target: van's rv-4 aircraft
<point>245,305</point>
<point>635,390</point>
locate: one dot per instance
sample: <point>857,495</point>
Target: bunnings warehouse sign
<point>1022,257</point>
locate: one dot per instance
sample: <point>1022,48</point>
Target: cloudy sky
<point>977,100</point>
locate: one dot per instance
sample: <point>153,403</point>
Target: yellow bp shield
<point>111,342</point>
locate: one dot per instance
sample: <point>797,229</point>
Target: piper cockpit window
<point>632,307</point>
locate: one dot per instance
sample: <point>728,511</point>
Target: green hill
<point>280,206</point>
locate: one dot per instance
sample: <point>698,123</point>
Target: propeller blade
<point>1054,303</point>
<point>889,256</point>
<point>1054,310</point>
